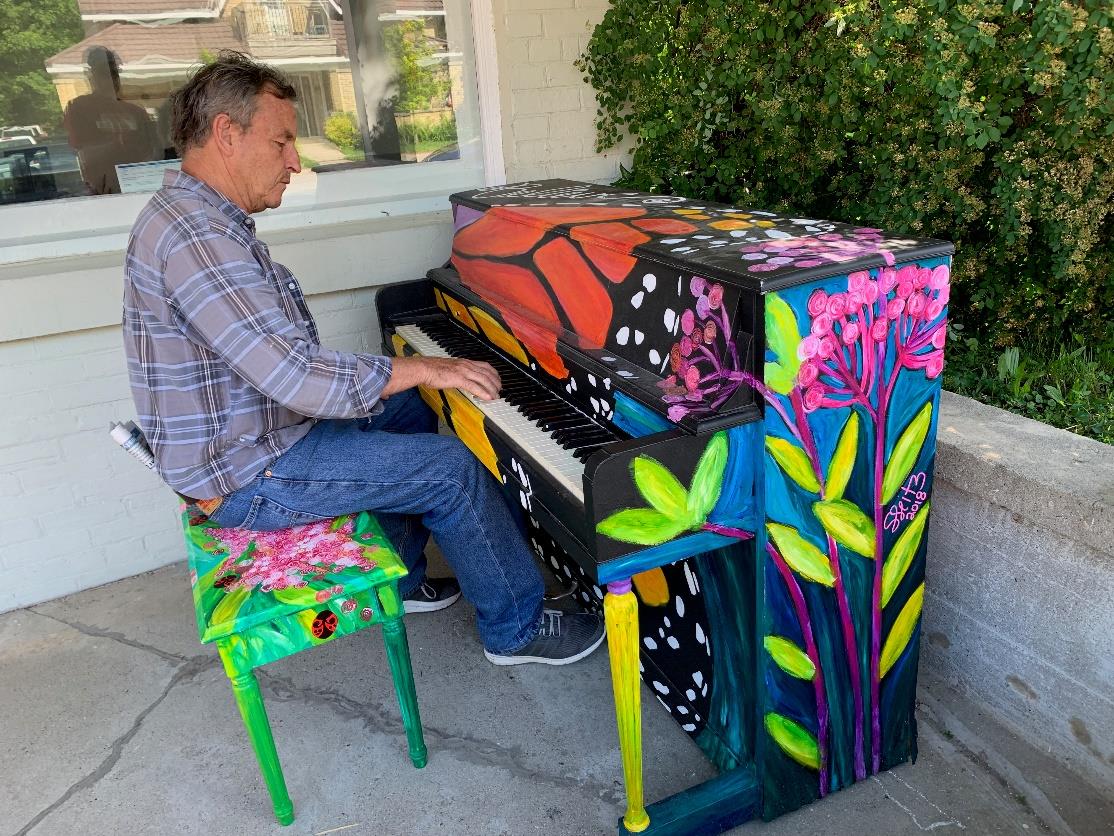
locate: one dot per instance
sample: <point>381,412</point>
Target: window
<point>381,83</point>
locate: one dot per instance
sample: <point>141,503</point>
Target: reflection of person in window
<point>104,130</point>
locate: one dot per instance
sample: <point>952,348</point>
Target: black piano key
<point>573,438</point>
<point>549,411</point>
<point>563,423</point>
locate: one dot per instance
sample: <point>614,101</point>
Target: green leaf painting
<point>902,631</point>
<point>782,335</point>
<point>843,459</point>
<point>708,479</point>
<point>673,510</point>
<point>789,657</point>
<point>794,462</point>
<point>901,555</point>
<point>846,522</point>
<point>305,596</point>
<point>906,451</point>
<point>803,557</point>
<point>644,526</point>
<point>779,378</point>
<point>794,739</point>
<point>230,605</point>
<point>660,487</point>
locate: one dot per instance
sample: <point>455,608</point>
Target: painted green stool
<point>263,595</point>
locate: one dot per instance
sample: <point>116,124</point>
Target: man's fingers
<point>483,384</point>
<point>475,377</point>
<point>484,379</point>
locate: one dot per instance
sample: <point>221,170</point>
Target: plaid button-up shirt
<point>226,367</point>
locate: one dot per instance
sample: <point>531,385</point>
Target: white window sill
<point>90,226</point>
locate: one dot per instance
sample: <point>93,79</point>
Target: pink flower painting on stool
<point>291,557</point>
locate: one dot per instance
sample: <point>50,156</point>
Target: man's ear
<point>225,133</point>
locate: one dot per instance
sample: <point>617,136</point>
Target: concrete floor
<point>116,721</point>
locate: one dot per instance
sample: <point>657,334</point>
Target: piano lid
<point>749,248</point>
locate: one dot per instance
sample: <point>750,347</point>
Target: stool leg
<point>246,688</point>
<point>398,656</point>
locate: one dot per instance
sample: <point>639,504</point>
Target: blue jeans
<point>416,482</point>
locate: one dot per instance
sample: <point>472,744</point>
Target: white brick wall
<point>548,110</point>
<point>75,510</point>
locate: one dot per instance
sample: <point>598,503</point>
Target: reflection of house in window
<point>160,41</point>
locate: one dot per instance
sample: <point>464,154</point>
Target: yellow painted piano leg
<point>620,610</point>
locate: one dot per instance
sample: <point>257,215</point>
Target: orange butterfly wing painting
<point>543,282</point>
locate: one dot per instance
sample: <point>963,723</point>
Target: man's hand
<point>472,376</point>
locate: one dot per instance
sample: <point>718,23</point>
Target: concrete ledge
<point>1055,479</point>
<point>1021,579</point>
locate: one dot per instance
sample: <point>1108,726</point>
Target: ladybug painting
<point>225,580</point>
<point>324,625</point>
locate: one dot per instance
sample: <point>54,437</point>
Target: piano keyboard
<point>557,436</point>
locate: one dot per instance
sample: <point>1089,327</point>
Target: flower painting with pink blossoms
<point>851,384</point>
<point>706,369</point>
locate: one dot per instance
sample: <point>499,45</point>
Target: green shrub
<point>342,131</point>
<point>990,124</point>
<point>423,81</point>
<point>1069,386</point>
<point>413,133</point>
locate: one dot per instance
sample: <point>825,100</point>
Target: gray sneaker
<point>562,638</point>
<point>432,594</point>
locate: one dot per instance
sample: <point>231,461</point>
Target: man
<point>248,413</point>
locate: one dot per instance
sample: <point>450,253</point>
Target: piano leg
<point>620,609</point>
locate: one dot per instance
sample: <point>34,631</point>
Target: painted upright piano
<point>726,418</point>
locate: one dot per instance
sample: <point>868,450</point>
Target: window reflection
<point>105,130</point>
<point>378,82</point>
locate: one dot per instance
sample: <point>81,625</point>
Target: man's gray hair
<point>231,85</point>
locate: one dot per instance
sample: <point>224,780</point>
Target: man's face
<point>265,155</point>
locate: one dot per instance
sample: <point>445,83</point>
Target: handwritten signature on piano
<point>911,498</point>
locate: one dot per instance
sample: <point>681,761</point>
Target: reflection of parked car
<point>38,172</point>
<point>8,143</point>
<point>32,133</point>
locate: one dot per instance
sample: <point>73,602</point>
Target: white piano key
<point>548,456</point>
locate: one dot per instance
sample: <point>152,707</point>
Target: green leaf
<point>906,451</point>
<point>843,459</point>
<point>789,657</point>
<point>782,335</point>
<point>847,523</point>
<point>780,379</point>
<point>707,480</point>
<point>794,739</point>
<point>229,606</point>
<point>901,632</point>
<point>644,526</point>
<point>659,487</point>
<point>306,596</point>
<point>793,461</point>
<point>803,557</point>
<point>901,555</point>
